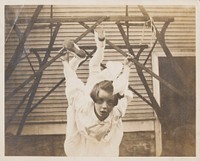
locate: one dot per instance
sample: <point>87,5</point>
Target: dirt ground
<point>133,144</point>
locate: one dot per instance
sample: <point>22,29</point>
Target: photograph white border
<point>102,2</point>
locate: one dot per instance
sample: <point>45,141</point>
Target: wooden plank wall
<point>180,37</point>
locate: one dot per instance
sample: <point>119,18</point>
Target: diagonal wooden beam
<point>148,71</point>
<point>37,81</point>
<point>19,50</point>
<point>90,29</point>
<point>177,68</point>
<point>161,39</point>
<point>31,97</point>
<point>141,66</point>
<point>142,9</point>
<point>142,47</point>
<point>8,121</point>
<point>140,96</point>
<point>57,85</point>
<point>164,28</point>
<point>125,40</point>
<point>150,52</point>
<point>155,104</point>
<point>43,67</point>
<point>18,32</point>
<point>133,90</point>
<point>46,95</point>
<point>89,55</point>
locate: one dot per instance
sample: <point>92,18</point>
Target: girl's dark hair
<point>105,85</point>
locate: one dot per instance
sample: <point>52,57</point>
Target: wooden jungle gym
<point>119,21</point>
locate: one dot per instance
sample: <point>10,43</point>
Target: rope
<point>153,30</point>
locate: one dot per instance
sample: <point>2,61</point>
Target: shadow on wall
<point>181,142</point>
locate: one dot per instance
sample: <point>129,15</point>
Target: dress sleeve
<point>123,103</point>
<point>121,83</point>
<point>121,107</point>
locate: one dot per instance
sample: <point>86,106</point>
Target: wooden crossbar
<point>92,47</point>
<point>96,18</point>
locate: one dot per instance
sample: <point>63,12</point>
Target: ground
<point>133,144</point>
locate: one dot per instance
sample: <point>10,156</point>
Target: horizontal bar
<point>96,18</point>
<point>93,47</point>
<point>132,24</point>
<point>90,29</point>
<point>44,26</point>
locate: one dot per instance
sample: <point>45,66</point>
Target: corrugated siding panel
<point>180,36</point>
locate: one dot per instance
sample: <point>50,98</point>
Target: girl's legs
<point>94,64</point>
<point>71,66</point>
<point>71,79</point>
<point>72,84</point>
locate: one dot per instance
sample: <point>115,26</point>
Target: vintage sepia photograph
<point>100,80</point>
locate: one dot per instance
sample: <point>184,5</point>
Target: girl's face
<point>104,104</point>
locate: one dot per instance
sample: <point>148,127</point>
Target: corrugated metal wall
<point>180,37</point>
